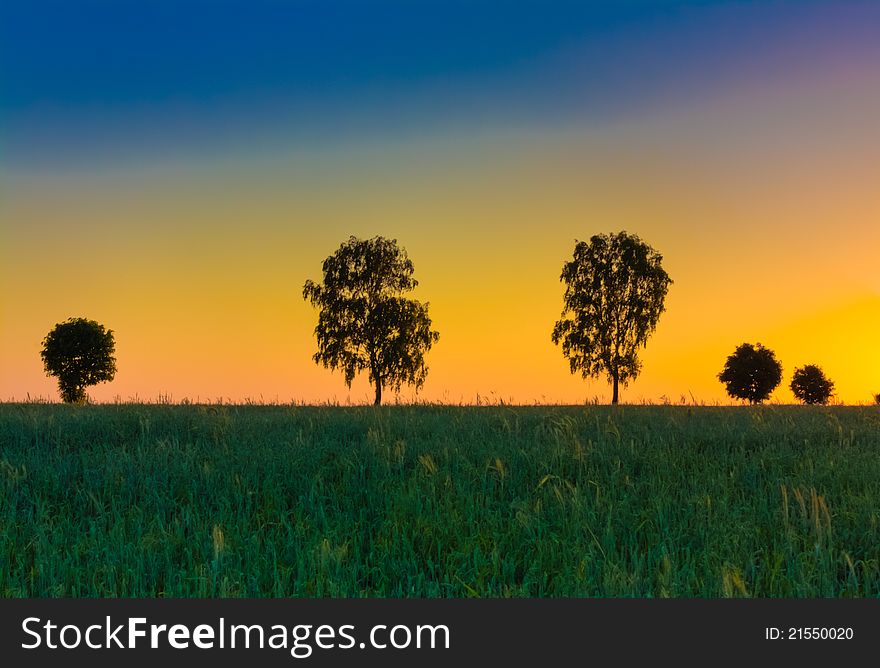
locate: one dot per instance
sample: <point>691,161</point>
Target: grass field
<point>138,500</point>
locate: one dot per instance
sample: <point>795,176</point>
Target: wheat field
<point>439,501</point>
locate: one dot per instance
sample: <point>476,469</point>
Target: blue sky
<point>178,169</point>
<point>94,78</point>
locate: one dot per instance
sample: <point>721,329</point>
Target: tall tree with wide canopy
<point>615,288</point>
<point>365,323</point>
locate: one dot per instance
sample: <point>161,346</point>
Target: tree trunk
<point>378,400</point>
<point>614,394</point>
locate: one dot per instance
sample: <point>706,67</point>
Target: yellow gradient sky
<point>763,197</point>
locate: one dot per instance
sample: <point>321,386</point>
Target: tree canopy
<point>80,353</point>
<point>751,373</point>
<point>365,323</point>
<point>810,385</point>
<point>615,288</point>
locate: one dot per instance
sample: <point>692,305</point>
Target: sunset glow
<point>183,203</point>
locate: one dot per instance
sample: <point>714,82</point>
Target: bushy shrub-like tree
<point>751,373</point>
<point>79,353</point>
<point>810,385</point>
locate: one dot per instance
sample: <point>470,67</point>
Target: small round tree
<point>810,385</point>
<point>751,373</point>
<point>79,352</point>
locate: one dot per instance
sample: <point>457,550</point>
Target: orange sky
<point>762,198</point>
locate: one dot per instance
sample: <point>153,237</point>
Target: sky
<point>177,170</point>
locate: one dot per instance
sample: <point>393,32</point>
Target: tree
<point>810,385</point>
<point>751,373</point>
<point>364,320</point>
<point>79,352</point>
<point>615,287</point>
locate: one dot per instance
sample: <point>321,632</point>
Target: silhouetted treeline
<point>615,292</point>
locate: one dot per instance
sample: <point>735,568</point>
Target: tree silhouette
<point>615,287</point>
<point>365,322</point>
<point>810,385</point>
<point>751,373</point>
<point>79,352</point>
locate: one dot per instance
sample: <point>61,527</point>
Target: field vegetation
<point>439,501</point>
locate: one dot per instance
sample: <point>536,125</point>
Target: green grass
<point>136,500</point>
